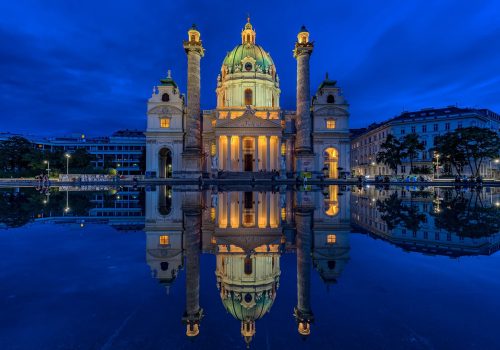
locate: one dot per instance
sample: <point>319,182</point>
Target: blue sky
<point>89,66</point>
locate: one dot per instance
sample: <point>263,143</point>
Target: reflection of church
<point>247,131</point>
<point>248,232</point>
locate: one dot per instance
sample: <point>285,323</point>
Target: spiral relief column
<point>192,155</point>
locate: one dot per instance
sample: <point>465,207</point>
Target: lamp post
<point>48,167</point>
<point>437,166</point>
<point>68,156</point>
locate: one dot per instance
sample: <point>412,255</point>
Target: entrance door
<point>248,162</point>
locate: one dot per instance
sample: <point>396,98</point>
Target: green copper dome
<point>261,57</point>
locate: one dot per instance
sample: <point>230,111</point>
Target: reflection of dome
<point>261,57</point>
<point>248,285</point>
<point>248,305</point>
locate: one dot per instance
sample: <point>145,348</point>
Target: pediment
<point>250,120</point>
<point>331,111</point>
<point>164,110</point>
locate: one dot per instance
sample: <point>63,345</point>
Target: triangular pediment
<point>250,120</point>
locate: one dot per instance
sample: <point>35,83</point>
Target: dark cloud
<point>69,66</point>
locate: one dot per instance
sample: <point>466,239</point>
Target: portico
<point>247,144</point>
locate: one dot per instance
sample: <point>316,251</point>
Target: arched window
<point>330,99</point>
<point>165,97</point>
<point>164,265</point>
<point>193,37</point>
<point>273,101</point>
<point>248,97</point>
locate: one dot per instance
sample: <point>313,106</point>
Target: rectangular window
<point>164,240</point>
<point>436,127</point>
<point>330,124</point>
<point>447,126</point>
<point>426,235</point>
<point>424,128</point>
<point>331,239</point>
<point>413,129</point>
<point>436,236</point>
<point>164,123</point>
<point>459,125</point>
<point>402,131</point>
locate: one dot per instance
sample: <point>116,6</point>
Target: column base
<point>304,162</point>
<point>191,165</point>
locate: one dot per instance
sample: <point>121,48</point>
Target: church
<point>248,134</point>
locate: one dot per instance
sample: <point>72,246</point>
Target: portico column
<point>268,158</point>
<point>240,144</point>
<point>228,153</point>
<point>256,152</point>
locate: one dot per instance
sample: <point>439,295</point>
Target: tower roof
<point>168,81</point>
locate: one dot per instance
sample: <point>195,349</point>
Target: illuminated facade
<point>247,132</point>
<point>247,232</point>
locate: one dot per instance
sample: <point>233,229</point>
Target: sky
<point>90,66</point>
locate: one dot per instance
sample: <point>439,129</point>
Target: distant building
<point>427,124</point>
<point>122,150</point>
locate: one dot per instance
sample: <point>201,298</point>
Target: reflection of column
<point>240,144</point>
<point>241,207</point>
<point>268,158</point>
<point>268,212</point>
<point>228,153</point>
<point>303,313</point>
<point>192,232</point>
<point>256,144</point>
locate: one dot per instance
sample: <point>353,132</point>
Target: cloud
<point>69,66</point>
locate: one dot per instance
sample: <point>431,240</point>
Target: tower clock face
<point>248,66</point>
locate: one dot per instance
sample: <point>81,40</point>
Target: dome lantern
<point>248,34</point>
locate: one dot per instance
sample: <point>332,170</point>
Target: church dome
<point>234,58</point>
<point>248,76</point>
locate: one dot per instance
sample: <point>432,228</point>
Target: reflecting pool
<point>165,268</point>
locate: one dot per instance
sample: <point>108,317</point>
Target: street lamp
<point>48,167</point>
<point>68,156</point>
<point>437,166</point>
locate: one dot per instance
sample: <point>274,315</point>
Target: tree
<point>411,145</point>
<point>468,146</point>
<point>390,153</point>
<point>448,149</point>
<point>479,144</point>
<point>12,153</point>
<point>81,159</point>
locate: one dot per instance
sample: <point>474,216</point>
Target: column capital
<point>303,49</point>
<point>194,47</point>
